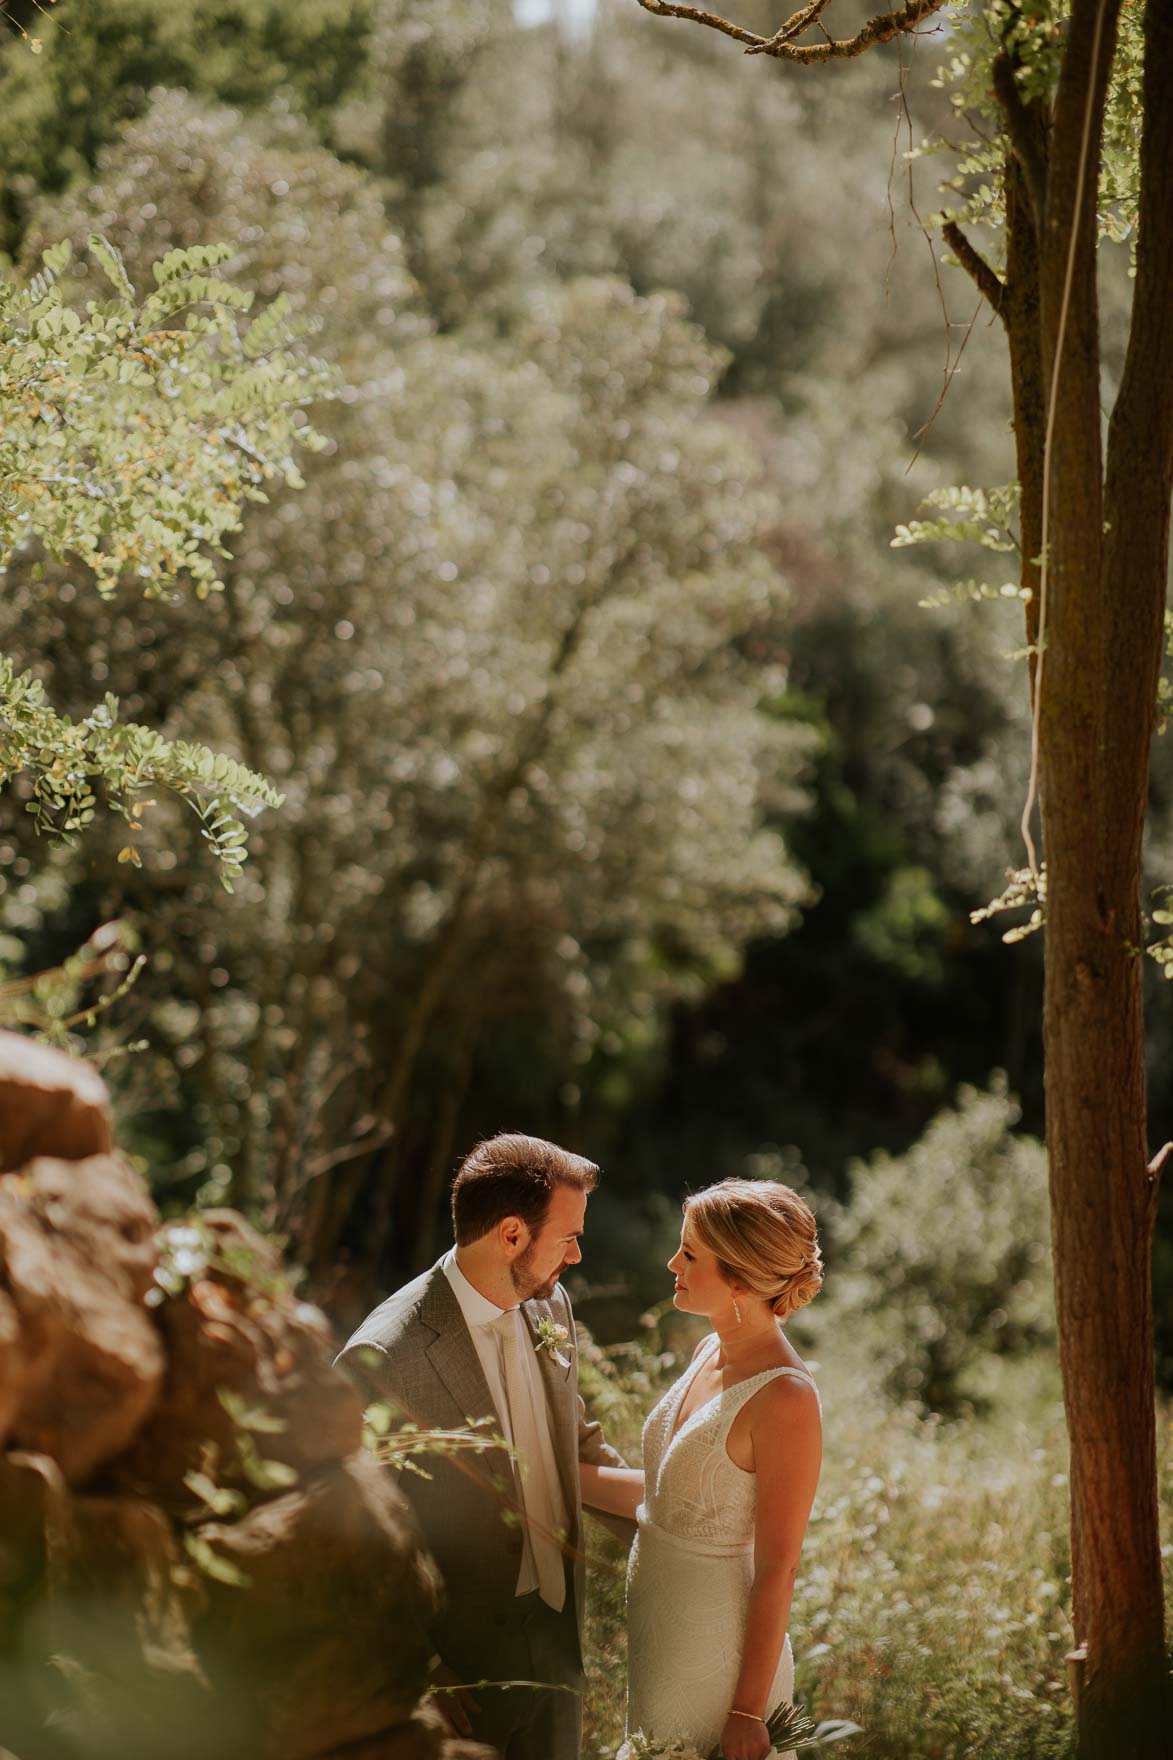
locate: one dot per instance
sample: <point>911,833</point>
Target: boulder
<point>198,1557</point>
<point>124,1681</point>
<point>239,1342</point>
<point>12,1365</point>
<point>50,1104</point>
<point>333,1583</point>
<point>92,1362</point>
<point>101,1209</point>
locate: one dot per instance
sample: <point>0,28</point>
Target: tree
<point>98,62</point>
<point>504,657</point>
<point>1072,90</point>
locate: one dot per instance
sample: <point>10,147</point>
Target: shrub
<point>942,1256</point>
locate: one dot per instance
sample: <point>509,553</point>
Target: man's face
<point>553,1247</point>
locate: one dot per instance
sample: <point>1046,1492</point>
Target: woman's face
<point>700,1286</point>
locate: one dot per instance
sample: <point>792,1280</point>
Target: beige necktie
<point>537,1469</point>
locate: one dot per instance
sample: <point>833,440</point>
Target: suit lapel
<point>453,1356</point>
<point>452,1353</point>
<point>559,1385</point>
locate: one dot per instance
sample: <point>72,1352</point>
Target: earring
<point>736,1311</point>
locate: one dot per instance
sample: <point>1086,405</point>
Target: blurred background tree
<point>630,793</point>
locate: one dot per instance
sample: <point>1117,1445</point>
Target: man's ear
<point>513,1235</point>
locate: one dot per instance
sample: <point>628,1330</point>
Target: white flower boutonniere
<point>554,1339</point>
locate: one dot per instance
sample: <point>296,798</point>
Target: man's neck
<point>488,1276</point>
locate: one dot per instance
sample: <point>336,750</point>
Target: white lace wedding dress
<point>691,1568</point>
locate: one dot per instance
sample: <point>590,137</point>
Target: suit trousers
<point>541,1722</point>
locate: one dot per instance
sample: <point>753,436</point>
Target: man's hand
<point>456,1708</point>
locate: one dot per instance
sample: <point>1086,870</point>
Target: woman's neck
<point>741,1344</point>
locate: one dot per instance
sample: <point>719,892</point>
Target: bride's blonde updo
<point>763,1236</point>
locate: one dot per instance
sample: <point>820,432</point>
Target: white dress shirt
<point>486,1323</point>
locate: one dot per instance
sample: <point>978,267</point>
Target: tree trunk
<point>1107,560</point>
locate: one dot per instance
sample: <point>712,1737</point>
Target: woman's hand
<point>744,1738</point>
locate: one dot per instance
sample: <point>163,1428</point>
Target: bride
<point>731,1462</point>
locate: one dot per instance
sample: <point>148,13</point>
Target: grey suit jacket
<point>416,1352</point>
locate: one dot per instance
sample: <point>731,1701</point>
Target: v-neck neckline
<point>678,1427</point>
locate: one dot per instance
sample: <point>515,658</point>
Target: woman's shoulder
<point>789,1395</point>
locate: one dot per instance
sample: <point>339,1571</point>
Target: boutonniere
<point>554,1339</point>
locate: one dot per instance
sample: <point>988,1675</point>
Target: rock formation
<point>199,1559</point>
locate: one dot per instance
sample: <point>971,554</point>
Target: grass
<point>933,1606</point>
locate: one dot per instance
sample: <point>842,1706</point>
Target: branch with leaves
<point>68,762</point>
<point>133,436</point>
<point>131,439</point>
<point>55,1003</point>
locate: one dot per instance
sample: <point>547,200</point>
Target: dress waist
<point>694,1543</point>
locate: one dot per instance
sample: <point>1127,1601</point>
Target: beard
<point>525,1284</point>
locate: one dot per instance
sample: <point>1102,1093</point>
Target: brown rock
<point>104,1211</point>
<point>97,1595</point>
<point>296,1632</point>
<point>50,1104</point>
<point>36,1533</point>
<point>338,1589</point>
<point>124,1682</point>
<point>238,1334</point>
<point>93,1364</point>
<point>12,1368</point>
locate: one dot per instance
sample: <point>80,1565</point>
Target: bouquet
<point>787,1727</point>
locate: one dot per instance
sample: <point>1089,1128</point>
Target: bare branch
<point>799,21</point>
<point>877,30</point>
<point>987,283</point>
<point>782,44</point>
<point>665,9</point>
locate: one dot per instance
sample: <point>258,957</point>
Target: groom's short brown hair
<point>513,1175</point>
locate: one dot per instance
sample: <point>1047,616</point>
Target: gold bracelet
<point>752,1715</point>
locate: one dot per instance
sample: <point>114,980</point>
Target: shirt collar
<point>477,1309</point>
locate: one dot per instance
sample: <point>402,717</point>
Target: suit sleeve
<point>366,1366</point>
<point>593,1448</point>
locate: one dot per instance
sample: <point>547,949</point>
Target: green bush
<point>942,1258</point>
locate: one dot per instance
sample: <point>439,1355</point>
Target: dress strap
<point>735,1398</point>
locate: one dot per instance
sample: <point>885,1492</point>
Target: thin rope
<point>1052,404</point>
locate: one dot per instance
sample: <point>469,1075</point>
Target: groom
<point>488,1334</point>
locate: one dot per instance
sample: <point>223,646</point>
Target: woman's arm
<point>787,1449</point>
<point>618,1491</point>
